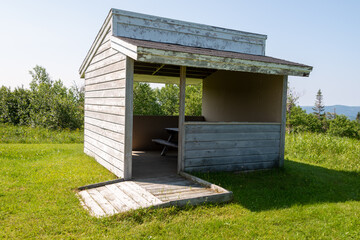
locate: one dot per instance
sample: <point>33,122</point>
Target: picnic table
<point>173,132</point>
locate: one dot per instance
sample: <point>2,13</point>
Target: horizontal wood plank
<point>232,136</point>
<point>120,101</point>
<point>123,196</point>
<point>232,167</point>
<point>116,84</point>
<point>113,164</point>
<point>118,119</point>
<point>114,67</point>
<point>106,93</point>
<point>104,55</point>
<point>117,128</point>
<point>107,141</point>
<point>105,62</point>
<point>230,144</point>
<point>231,152</point>
<point>105,78</point>
<point>208,161</point>
<point>114,110</point>
<point>243,128</point>
<point>118,137</point>
<point>115,153</point>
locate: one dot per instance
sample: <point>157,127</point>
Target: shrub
<point>341,126</point>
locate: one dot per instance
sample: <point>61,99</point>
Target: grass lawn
<point>316,196</point>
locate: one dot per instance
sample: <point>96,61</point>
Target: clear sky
<point>323,33</point>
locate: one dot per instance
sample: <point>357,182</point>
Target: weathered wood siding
<point>231,146</point>
<point>105,108</point>
<point>153,28</point>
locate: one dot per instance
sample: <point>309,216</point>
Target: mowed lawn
<point>316,196</point>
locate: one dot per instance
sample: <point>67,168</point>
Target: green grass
<point>301,201</point>
<point>24,134</point>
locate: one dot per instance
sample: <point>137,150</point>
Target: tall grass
<point>338,153</point>
<point>24,134</point>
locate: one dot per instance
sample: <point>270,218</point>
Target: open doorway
<point>156,109</point>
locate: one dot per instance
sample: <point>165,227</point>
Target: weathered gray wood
<point>106,101</point>
<point>216,198</point>
<point>231,152</point>
<point>141,26</point>
<point>181,134</point>
<point>118,137</point>
<point>104,55</point>
<point>241,159</point>
<point>116,84</point>
<point>114,67</point>
<point>102,155</point>
<point>117,119</point>
<point>145,194</point>
<point>123,196</point>
<point>232,167</point>
<point>232,136</point>
<point>120,74</point>
<point>230,144</point>
<point>113,199</point>
<point>115,110</point>
<point>154,55</point>
<point>104,143</point>
<point>114,58</point>
<point>238,128</point>
<point>128,117</point>
<point>283,121</point>
<point>106,93</point>
<point>103,203</point>
<point>134,195</point>
<point>114,152</point>
<point>118,128</point>
<point>91,204</point>
<point>89,150</point>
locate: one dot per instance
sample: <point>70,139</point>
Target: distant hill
<point>348,111</point>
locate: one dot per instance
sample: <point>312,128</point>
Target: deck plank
<point>147,195</point>
<point>103,203</point>
<point>113,199</point>
<point>91,204</point>
<point>143,202</point>
<point>124,197</point>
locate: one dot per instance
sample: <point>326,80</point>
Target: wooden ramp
<point>173,190</point>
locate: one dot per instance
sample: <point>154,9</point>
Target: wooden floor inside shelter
<point>149,190</point>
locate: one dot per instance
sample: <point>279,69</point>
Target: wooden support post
<point>181,140</point>
<point>129,71</point>
<point>283,121</point>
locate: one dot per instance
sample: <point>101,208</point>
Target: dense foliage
<point>165,101</point>
<point>319,121</point>
<point>47,103</point>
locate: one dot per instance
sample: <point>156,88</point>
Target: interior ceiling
<point>156,69</point>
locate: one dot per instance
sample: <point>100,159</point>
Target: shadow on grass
<point>296,184</point>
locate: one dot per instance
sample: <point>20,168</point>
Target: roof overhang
<point>173,54</point>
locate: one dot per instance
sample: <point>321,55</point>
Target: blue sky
<point>323,34</point>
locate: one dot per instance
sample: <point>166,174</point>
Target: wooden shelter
<point>244,94</point>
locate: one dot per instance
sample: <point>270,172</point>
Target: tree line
<point>47,103</point>
<point>319,121</point>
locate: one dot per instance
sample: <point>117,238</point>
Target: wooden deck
<point>161,191</point>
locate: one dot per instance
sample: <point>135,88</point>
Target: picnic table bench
<point>169,142</point>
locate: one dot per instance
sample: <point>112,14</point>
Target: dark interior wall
<point>146,128</point>
<point>242,97</point>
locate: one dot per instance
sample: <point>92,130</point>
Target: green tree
<point>343,127</point>
<point>319,107</point>
<point>168,98</point>
<point>358,117</point>
<point>145,101</point>
<point>291,101</point>
<point>193,100</point>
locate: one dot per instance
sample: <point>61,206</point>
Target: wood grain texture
<point>283,122</point>
<point>105,108</point>
<point>231,147</point>
<point>181,134</point>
